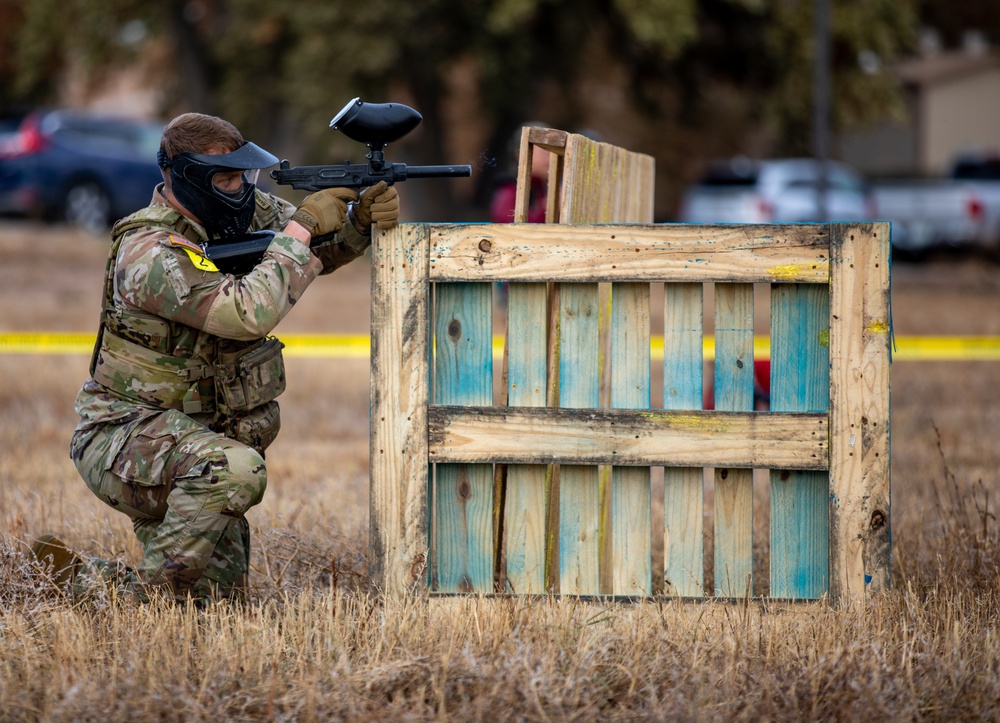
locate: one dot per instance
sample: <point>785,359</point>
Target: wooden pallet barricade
<point>437,436</point>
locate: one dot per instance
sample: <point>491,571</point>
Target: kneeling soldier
<point>180,404</point>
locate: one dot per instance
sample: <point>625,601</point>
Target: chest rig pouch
<point>246,378</point>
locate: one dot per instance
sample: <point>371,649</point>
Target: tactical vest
<point>137,355</point>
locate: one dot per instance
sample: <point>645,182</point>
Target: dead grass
<point>317,644</point>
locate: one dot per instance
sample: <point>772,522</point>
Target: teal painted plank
<point>579,501</point>
<point>524,517</point>
<point>800,503</point>
<point>631,523</point>
<point>683,487</point>
<point>733,499</point>
<point>463,374</point>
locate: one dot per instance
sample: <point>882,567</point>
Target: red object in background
<point>505,198</point>
<point>28,140</point>
<point>974,207</point>
<point>761,387</point>
<point>762,375</point>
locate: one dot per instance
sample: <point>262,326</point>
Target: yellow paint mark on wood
<point>877,327</point>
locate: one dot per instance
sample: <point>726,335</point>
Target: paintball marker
<point>374,124</point>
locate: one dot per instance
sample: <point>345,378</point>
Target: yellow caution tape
<point>337,346</point>
<point>357,346</point>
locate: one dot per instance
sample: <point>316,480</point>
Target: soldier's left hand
<point>378,204</point>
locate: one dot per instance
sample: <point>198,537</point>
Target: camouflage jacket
<point>187,315</point>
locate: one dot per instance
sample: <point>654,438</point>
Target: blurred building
<point>953,105</point>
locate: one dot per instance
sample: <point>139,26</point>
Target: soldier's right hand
<point>325,211</point>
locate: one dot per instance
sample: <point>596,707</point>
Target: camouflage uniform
<point>179,408</point>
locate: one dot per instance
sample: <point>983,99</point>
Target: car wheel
<point>88,206</point>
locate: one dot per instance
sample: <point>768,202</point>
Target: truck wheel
<point>88,206</point>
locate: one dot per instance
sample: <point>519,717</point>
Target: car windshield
<point>975,170</point>
<point>105,135</point>
<point>735,172</point>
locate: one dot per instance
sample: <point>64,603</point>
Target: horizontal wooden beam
<point>549,139</point>
<point>521,435</point>
<point>632,252</point>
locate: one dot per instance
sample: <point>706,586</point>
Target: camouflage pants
<point>186,490</point>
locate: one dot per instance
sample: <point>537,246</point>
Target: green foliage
<point>694,69</point>
<point>884,28</point>
<point>668,25</point>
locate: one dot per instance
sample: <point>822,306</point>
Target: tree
<point>685,78</point>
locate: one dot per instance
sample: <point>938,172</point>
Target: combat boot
<point>49,550</point>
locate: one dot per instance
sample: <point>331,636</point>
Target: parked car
<point>962,209</point>
<point>784,190</point>
<point>84,168</point>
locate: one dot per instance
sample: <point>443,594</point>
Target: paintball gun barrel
<point>376,125</point>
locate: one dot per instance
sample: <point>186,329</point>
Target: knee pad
<point>247,477</point>
<point>228,478</point>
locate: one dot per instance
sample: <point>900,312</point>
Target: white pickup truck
<point>781,190</point>
<point>961,210</point>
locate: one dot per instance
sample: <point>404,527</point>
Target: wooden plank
<point>525,496</point>
<point>631,497</point>
<point>636,252</point>
<point>628,437</point>
<point>579,540</point>
<point>463,374</point>
<point>800,501</point>
<point>683,487</point>
<point>606,184</point>
<point>733,500</point>
<point>860,326</point>
<point>398,456</point>
<point>549,139</point>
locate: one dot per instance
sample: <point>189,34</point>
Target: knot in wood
<point>455,329</point>
<point>878,520</point>
<point>418,566</point>
<point>485,246</point>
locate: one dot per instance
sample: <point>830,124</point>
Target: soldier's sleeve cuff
<point>354,239</point>
<point>291,247</point>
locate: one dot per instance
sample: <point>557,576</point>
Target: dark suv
<point>84,168</point>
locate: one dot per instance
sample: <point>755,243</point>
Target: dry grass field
<point>315,643</point>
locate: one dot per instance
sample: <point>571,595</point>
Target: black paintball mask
<point>225,214</point>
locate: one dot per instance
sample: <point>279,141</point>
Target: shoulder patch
<point>185,243</point>
<point>194,252</point>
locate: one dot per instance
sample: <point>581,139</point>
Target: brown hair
<point>199,133</point>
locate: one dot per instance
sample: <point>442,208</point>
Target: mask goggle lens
<point>235,180</point>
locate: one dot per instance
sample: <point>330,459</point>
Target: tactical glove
<point>324,211</point>
<point>378,204</point>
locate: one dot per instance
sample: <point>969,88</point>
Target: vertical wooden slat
<point>606,184</point>
<point>463,375</point>
<point>683,487</point>
<point>579,541</point>
<point>800,501</point>
<point>525,498</point>
<point>631,525</point>
<point>733,501</point>
<point>860,530</point>
<point>399,395</point>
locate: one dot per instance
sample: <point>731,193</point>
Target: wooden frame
<point>551,490</point>
<point>846,443</point>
